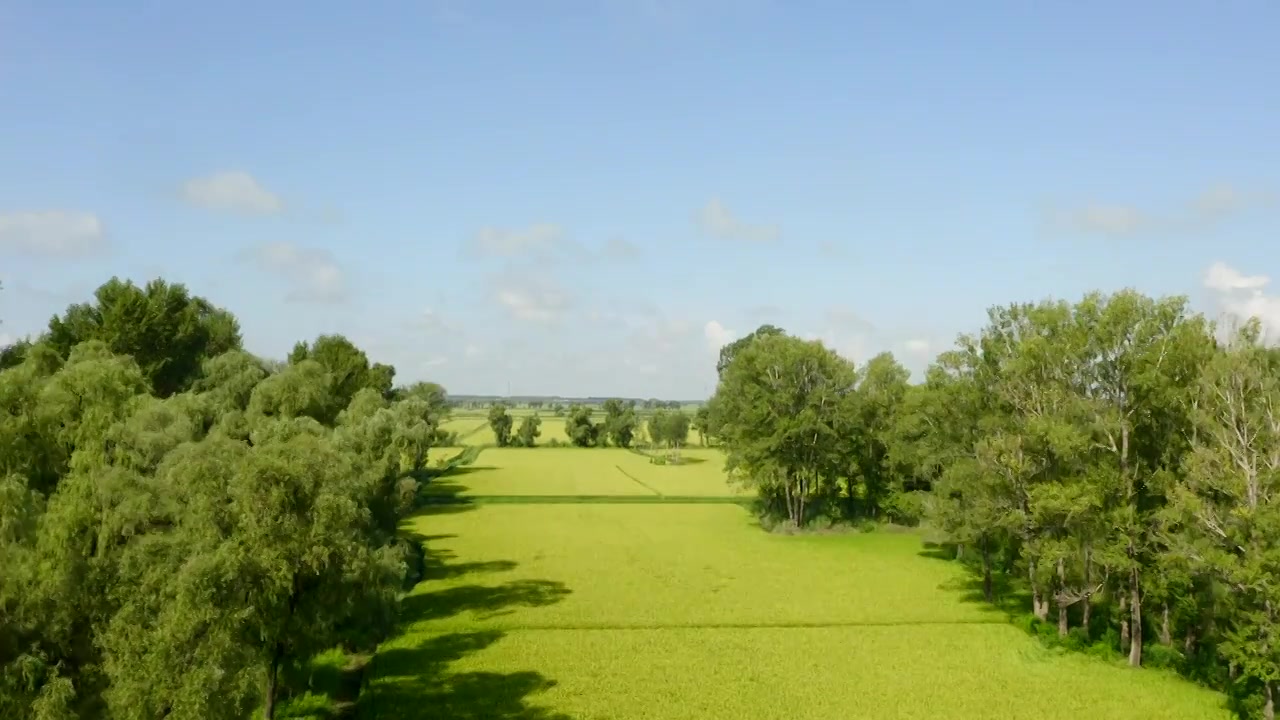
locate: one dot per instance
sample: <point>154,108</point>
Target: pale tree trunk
<point>1039,605</point>
<point>1166,633</point>
<point>1135,629</point>
<point>1087,610</point>
<point>1189,642</point>
<point>986,571</point>
<point>1269,710</point>
<point>1124,616</point>
<point>1063,601</point>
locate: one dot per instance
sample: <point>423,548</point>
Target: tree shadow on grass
<point>1008,597</point>
<point>414,683</point>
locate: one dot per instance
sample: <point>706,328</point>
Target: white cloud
<point>1224,278</point>
<point>717,335</point>
<point>233,191</point>
<point>313,273</point>
<point>538,240</point>
<point>6,339</point>
<point>52,233</point>
<point>717,220</point>
<point>534,301</point>
<point>1244,296</point>
<point>1112,220</point>
<point>849,346</point>
<point>918,346</point>
<point>472,351</point>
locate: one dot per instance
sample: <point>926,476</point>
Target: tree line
<point>620,426</point>
<point>183,524</point>
<point>1113,463</point>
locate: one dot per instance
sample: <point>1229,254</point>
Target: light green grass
<point>691,612</point>
<point>702,474</point>
<point>542,471</point>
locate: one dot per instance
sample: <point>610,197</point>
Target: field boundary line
<point>639,482</point>
<point>443,499</point>
<point>794,625</point>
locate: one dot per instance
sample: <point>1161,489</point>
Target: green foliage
<point>578,426</point>
<point>620,422</point>
<point>527,435</point>
<point>501,422</point>
<point>179,520</point>
<point>167,332</point>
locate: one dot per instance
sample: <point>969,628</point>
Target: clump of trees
<point>1116,459</point>
<point>181,521</point>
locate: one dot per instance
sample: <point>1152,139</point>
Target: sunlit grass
<point>551,612</point>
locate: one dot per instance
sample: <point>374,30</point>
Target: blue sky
<point>588,196</point>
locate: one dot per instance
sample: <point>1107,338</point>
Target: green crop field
<point>602,611</point>
<point>582,472</point>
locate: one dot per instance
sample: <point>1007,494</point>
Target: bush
<point>868,526</point>
<point>555,443</point>
<point>1162,656</point>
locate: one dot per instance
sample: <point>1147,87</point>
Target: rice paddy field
<point>613,609</point>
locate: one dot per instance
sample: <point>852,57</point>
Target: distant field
<point>690,612</point>
<point>592,472</point>
<point>475,430</point>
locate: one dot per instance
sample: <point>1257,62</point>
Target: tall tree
<point>782,401</point>
<point>500,421</point>
<point>165,329</point>
<point>581,430</point>
<point>620,422</point>
<point>529,431</point>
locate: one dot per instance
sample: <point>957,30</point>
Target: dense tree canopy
<point>179,520</point>
<point>1110,458</point>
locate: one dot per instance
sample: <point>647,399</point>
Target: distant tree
<point>167,331</point>
<point>557,410</point>
<point>501,423</point>
<point>529,432</point>
<point>620,422</point>
<point>581,431</point>
<point>702,423</point>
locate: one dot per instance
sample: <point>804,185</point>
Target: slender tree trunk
<point>273,671</point>
<point>1124,617</point>
<point>1166,633</point>
<point>1063,603</point>
<point>1087,610</point>
<point>1269,710</point>
<point>1189,642</point>
<point>986,571</point>
<point>1135,608</point>
<point>1038,604</point>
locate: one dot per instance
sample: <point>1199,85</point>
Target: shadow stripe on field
<point>428,500</point>
<point>816,625</point>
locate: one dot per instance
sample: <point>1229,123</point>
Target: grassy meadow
<point>542,610</point>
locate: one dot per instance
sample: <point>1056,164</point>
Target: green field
<point>599,611</point>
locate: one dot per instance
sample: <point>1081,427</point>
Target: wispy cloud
<point>537,240</point>
<point>1215,204</point>
<point>531,299</point>
<point>232,191</point>
<point>313,274</point>
<point>717,220</point>
<point>52,233</point>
